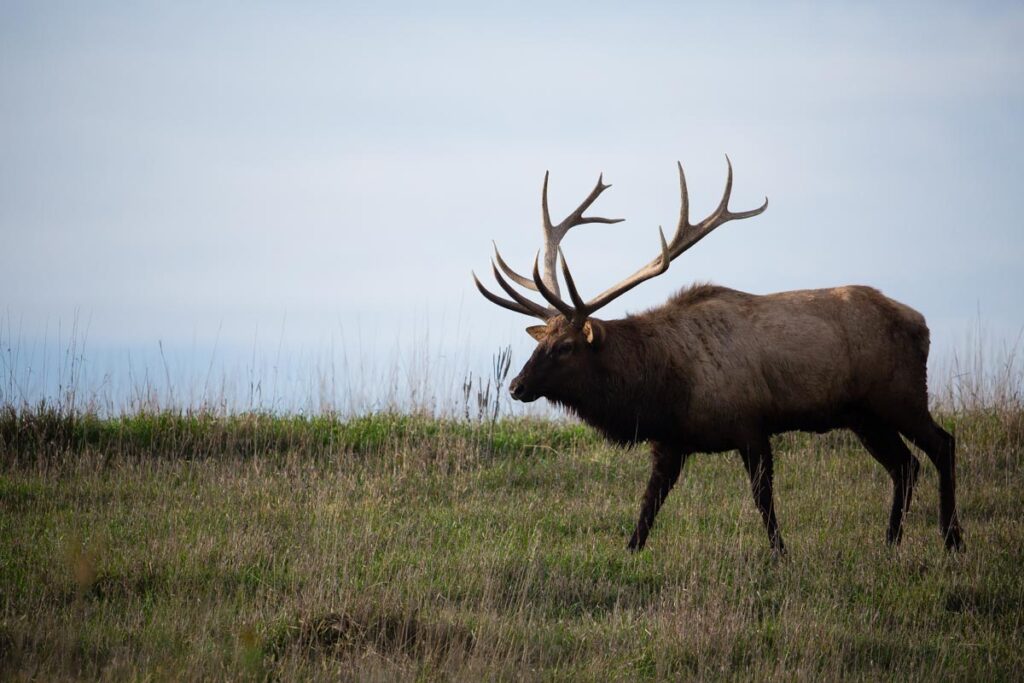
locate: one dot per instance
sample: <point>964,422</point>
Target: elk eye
<point>564,349</point>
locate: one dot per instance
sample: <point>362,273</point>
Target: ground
<point>161,547</point>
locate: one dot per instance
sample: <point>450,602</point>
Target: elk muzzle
<point>517,388</point>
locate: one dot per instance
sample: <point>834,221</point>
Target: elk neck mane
<point>643,362</point>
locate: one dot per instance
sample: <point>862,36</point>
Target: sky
<point>240,192</point>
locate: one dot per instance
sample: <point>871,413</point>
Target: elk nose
<point>516,389</point>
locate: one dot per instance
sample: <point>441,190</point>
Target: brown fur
<point>715,369</point>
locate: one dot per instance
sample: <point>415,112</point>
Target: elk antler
<point>553,235</point>
<point>685,236</point>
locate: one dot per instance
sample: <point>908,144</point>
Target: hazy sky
<point>303,175</point>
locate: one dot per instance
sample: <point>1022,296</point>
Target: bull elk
<point>715,369</point>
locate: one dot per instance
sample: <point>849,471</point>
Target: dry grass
<point>393,547</point>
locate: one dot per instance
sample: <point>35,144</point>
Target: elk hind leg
<point>940,446</point>
<point>886,446</point>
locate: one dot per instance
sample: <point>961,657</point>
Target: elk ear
<point>538,332</point>
<point>593,332</point>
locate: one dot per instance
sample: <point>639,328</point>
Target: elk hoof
<point>954,542</point>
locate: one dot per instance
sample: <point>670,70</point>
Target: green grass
<point>167,546</point>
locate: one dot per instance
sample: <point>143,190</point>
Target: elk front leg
<point>757,457</point>
<point>665,466</point>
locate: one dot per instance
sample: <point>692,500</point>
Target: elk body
<point>715,369</point>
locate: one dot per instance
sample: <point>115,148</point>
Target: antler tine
<point>577,217</point>
<point>553,234</point>
<point>577,300</point>
<point>505,303</point>
<point>538,310</point>
<point>516,277</point>
<point>723,204</point>
<point>722,213</point>
<point>565,309</point>
<point>545,215</point>
<point>684,206</point>
<point>688,235</point>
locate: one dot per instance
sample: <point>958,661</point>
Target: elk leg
<point>757,458</point>
<point>940,446</point>
<point>886,446</point>
<point>666,464</point>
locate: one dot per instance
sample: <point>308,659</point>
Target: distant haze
<point>217,190</point>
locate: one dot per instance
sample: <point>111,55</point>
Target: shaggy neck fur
<point>626,396</point>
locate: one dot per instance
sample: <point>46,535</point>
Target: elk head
<point>570,341</point>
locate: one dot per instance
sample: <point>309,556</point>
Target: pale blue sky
<point>213,173</point>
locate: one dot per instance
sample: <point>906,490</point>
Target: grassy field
<point>159,547</point>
